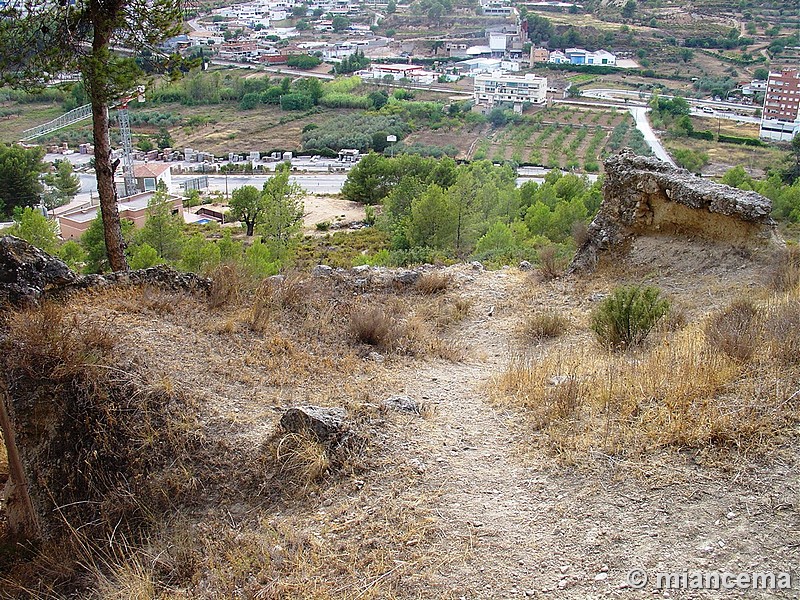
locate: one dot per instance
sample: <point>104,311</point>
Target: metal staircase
<point>79,114</point>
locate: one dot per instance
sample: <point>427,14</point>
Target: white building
<point>393,71</point>
<point>498,87</point>
<point>579,56</point>
<point>475,66</point>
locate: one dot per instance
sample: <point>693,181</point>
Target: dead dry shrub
<point>736,330</point>
<point>783,272</point>
<point>551,265</point>
<point>132,437</point>
<point>229,285</point>
<point>544,325</point>
<point>433,282</point>
<point>782,331</point>
<point>402,332</point>
<point>373,326</point>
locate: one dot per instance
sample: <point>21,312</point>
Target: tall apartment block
<point>780,118</point>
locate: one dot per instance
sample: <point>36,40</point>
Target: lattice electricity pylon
<point>127,149</point>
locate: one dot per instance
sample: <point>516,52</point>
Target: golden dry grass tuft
<point>433,283</point>
<point>719,384</point>
<point>783,272</point>
<point>544,325</point>
<point>300,459</point>
<point>230,283</point>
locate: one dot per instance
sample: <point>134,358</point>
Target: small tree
<point>162,230</point>
<point>19,177</point>
<point>64,183</point>
<point>627,316</point>
<point>283,211</point>
<point>33,227</point>
<point>246,206</point>
<point>41,40</point>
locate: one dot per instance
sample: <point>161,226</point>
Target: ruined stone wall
<point>645,196</point>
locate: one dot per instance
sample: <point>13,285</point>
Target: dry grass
<point>544,325</point>
<point>433,283</point>
<point>551,265</point>
<point>102,413</point>
<point>399,329</point>
<point>373,326</point>
<point>229,285</point>
<point>783,273</point>
<point>686,391</point>
<point>735,330</point>
<point>301,459</point>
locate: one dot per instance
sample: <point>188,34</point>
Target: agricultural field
<point>561,137</point>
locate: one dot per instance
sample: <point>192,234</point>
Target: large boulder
<point>645,196</point>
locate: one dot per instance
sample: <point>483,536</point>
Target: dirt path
<point>521,525</point>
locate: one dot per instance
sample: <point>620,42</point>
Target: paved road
<point>322,183</point>
<point>720,109</point>
<point>642,124</point>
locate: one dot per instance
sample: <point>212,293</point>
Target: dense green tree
<point>737,177</point>
<point>19,177</point>
<point>32,226</point>
<point>229,250</point>
<point>303,61</point>
<point>144,256</point>
<point>246,206</point>
<point>72,253</point>
<point>39,41</point>
<point>64,183</point>
<point>431,224</point>
<point>200,255</point>
<point>498,243</point>
<point>162,230</point>
<point>340,23</point>
<point>94,244</point>
<point>283,212</point>
<point>367,182</point>
<point>629,9</point>
<point>761,73</point>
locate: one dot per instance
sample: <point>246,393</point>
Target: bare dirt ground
<point>331,210</point>
<point>537,527</point>
<point>468,501</point>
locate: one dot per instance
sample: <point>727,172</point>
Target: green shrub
<point>627,316</point>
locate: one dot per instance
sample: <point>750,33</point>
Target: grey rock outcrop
<point>645,196</point>
<point>28,275</point>
<point>327,425</point>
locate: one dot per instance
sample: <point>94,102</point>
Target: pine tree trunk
<point>115,247</point>
<point>97,79</point>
